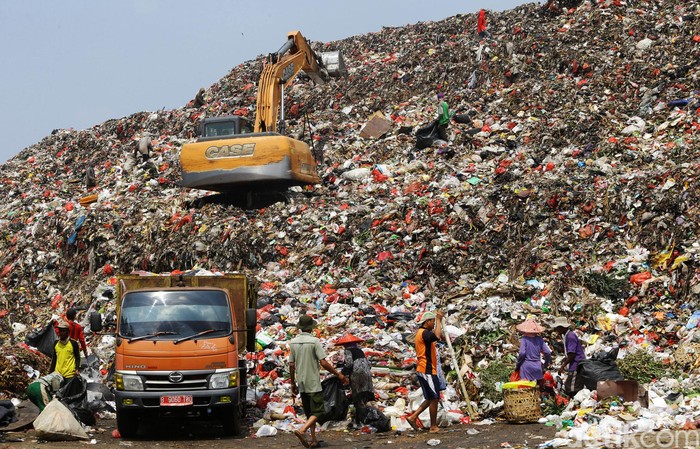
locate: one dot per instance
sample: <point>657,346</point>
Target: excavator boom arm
<point>280,70</point>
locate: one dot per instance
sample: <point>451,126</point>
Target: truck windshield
<point>170,315</point>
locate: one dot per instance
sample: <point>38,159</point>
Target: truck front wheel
<point>127,423</point>
<point>232,421</point>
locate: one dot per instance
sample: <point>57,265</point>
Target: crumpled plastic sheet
<point>573,191</point>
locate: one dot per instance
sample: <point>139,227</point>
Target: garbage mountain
<point>569,187</point>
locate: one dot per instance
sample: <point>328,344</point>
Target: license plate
<point>170,401</point>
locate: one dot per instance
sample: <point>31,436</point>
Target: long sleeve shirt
<point>530,357</point>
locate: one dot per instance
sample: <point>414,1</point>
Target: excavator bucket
<point>334,63</point>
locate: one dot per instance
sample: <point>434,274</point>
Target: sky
<point>77,63</point>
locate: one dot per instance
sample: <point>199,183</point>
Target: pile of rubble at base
<point>572,189</point>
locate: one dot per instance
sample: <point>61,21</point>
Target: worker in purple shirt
<point>574,352</point>
<point>532,348</point>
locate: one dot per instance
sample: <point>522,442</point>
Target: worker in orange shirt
<point>428,370</point>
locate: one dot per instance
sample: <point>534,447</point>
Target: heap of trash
<point>569,187</point>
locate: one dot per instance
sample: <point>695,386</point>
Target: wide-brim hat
<point>348,339</point>
<point>561,321</point>
<point>530,326</point>
<point>306,323</point>
<point>426,316</point>
<point>63,325</point>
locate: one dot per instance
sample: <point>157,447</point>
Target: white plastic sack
<point>18,328</point>
<point>453,331</point>
<point>57,423</point>
<point>357,174</point>
<point>266,431</point>
<point>399,424</point>
<point>447,418</point>
<point>396,410</point>
<point>582,395</point>
<point>644,44</point>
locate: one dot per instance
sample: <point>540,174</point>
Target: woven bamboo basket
<point>522,405</point>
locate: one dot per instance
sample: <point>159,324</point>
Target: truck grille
<point>161,381</point>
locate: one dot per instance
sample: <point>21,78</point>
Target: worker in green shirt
<point>306,357</point>
<point>42,390</point>
<point>444,116</point>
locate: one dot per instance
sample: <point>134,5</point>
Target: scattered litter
<point>568,188</point>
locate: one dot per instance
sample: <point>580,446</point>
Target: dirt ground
<point>204,435</point>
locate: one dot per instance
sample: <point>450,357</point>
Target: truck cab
<point>179,344</point>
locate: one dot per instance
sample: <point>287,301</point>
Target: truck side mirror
<point>95,322</point>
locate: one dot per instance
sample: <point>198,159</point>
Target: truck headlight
<point>128,382</point>
<point>223,380</point>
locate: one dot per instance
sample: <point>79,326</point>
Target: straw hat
<point>530,326</point>
<point>348,339</point>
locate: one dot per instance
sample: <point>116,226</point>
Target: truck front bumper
<point>201,399</point>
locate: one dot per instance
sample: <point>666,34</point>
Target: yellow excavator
<point>231,154</point>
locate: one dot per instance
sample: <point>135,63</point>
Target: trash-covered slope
<point>578,171</point>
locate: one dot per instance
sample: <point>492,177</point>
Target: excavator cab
<point>214,128</point>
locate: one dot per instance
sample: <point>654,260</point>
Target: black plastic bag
<point>464,119</point>
<point>427,135</point>
<point>97,396</point>
<point>43,340</point>
<point>335,401</point>
<point>100,406</point>
<point>589,372</point>
<point>372,416</point>
<point>73,394</point>
<point>8,413</point>
<point>400,316</point>
<point>606,356</point>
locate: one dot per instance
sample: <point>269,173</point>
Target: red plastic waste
<point>639,278</point>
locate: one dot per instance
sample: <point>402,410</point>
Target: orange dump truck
<point>179,344</point>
